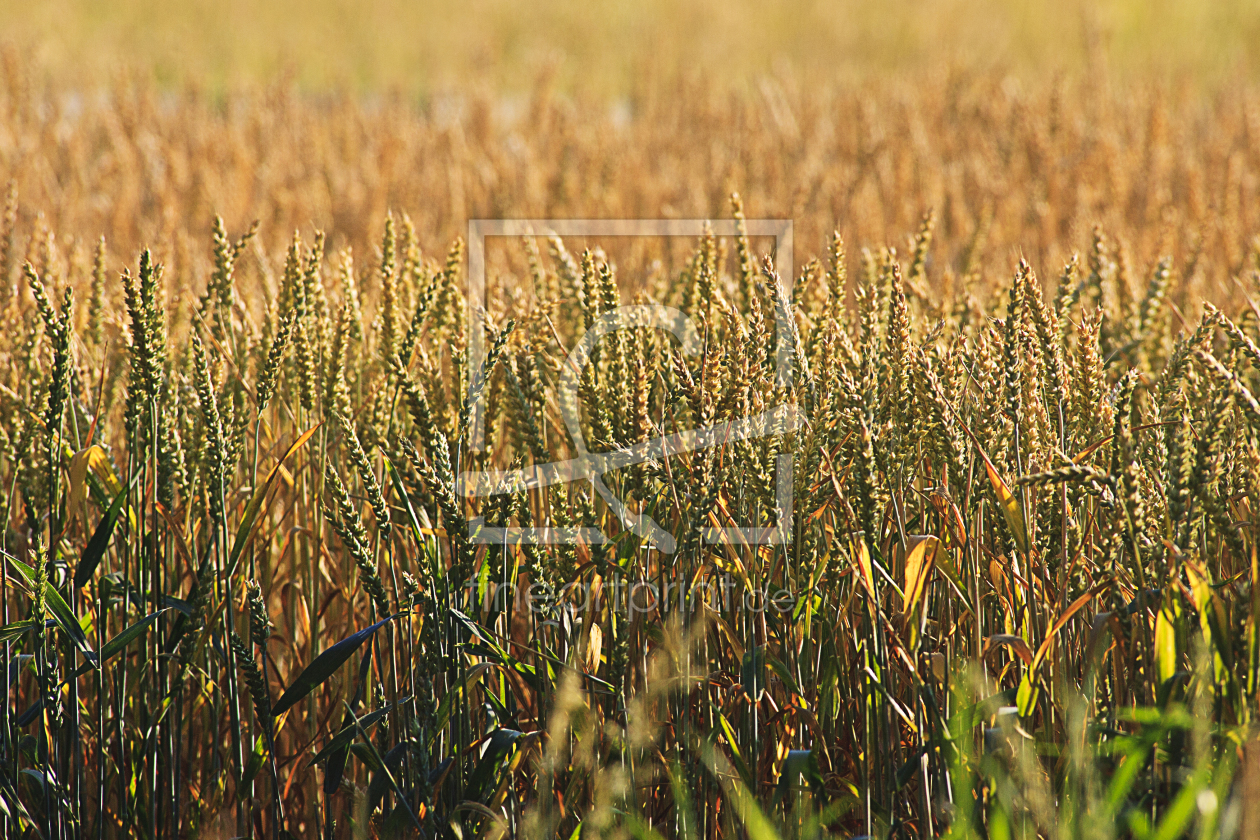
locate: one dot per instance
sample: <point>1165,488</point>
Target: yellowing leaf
<point>1166,641</point>
<point>92,458</point>
<point>1091,449</point>
<point>858,550</point>
<point>594,648</point>
<point>1010,507</point>
<point>919,564</point>
<point>78,479</point>
<point>1212,617</point>
<point>1017,645</point>
<point>1204,597</point>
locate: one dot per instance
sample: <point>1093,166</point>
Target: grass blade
<point>95,549</point>
<point>324,666</point>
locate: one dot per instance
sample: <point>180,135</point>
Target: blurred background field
<point>610,47</point>
<point>1038,120</point>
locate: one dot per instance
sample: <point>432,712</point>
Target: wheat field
<point>1000,410</point>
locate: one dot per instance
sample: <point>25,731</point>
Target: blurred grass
<point>604,47</point>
